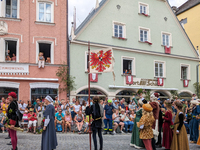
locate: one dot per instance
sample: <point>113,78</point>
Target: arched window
<point>127,95</point>
<point>185,96</point>
<point>162,96</point>
<point>83,95</point>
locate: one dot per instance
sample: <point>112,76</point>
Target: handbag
<point>155,131</point>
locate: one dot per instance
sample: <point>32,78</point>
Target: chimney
<point>97,4</point>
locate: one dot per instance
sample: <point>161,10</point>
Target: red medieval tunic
<point>156,109</point>
<point>167,131</point>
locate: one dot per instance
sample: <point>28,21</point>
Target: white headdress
<point>141,101</point>
<point>49,98</point>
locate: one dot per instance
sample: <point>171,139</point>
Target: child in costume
<point>145,125</point>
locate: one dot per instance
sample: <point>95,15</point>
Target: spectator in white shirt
<point>77,107</point>
<point>22,106</point>
<point>116,119</point>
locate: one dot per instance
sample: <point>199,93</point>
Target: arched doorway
<point>185,96</point>
<point>83,95</point>
<point>126,94</point>
<point>163,96</point>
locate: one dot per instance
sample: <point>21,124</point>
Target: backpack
<point>19,114</point>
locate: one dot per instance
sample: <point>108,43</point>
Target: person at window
<point>49,139</point>
<point>13,57</point>
<point>8,58</point>
<point>125,118</point>
<point>180,138</point>
<point>116,119</point>
<point>68,121</point>
<point>41,60</point>
<point>125,71</point>
<point>13,119</point>
<point>79,120</point>
<point>108,112</point>
<point>59,118</point>
<point>145,125</point>
<point>48,60</point>
<point>32,120</point>
<point>129,72</point>
<point>2,120</point>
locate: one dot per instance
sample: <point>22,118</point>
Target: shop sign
<point>12,69</point>
<point>145,82</point>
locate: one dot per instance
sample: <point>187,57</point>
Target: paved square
<point>69,141</point>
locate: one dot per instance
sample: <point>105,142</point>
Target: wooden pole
<point>90,132</point>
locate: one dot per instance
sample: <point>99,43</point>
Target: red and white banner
<point>102,60</point>
<point>167,50</point>
<point>94,77</point>
<point>185,83</point>
<point>129,80</point>
<point>160,81</point>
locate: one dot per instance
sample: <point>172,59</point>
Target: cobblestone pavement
<point>73,142</point>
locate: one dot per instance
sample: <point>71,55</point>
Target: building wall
<point>192,27</point>
<point>29,31</point>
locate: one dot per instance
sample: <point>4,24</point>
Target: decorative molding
<point>32,79</point>
<point>44,85</point>
<point>134,50</point>
<point>3,28</point>
<point>18,35</point>
<point>46,38</point>
<point>9,84</point>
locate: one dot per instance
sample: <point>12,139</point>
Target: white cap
<point>49,98</point>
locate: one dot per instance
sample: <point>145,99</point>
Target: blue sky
<point>83,7</point>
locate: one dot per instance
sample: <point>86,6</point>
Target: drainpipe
<point>198,80</point>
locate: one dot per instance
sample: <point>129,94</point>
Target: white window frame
<point>143,4</point>
<point>123,28</point>
<point>170,38</point>
<point>52,10</point>
<point>3,47</point>
<point>188,70</point>
<point>52,50</point>
<point>148,33</point>
<point>164,68</point>
<point>3,9</point>
<point>133,65</point>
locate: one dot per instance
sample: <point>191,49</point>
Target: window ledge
<point>146,15</point>
<point>185,79</point>
<point>160,77</point>
<point>164,46</point>
<point>45,23</point>
<point>10,61</point>
<point>128,75</point>
<point>147,42</point>
<point>119,38</point>
<point>87,72</point>
<point>11,19</point>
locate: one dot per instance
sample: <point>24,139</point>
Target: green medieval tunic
<point>135,139</point>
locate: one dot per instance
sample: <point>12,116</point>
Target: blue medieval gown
<point>49,139</point>
<point>194,124</point>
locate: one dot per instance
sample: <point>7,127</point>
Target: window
<point>143,9</point>
<point>166,39</point>
<point>46,50</point>
<point>11,8</point>
<point>128,65</point>
<point>184,72</point>
<point>119,30</point>
<point>143,35</point>
<point>45,13</point>
<point>183,22</point>
<point>159,69</point>
<point>10,50</point>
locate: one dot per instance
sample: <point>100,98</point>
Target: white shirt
<point>22,106</point>
<point>77,107</point>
